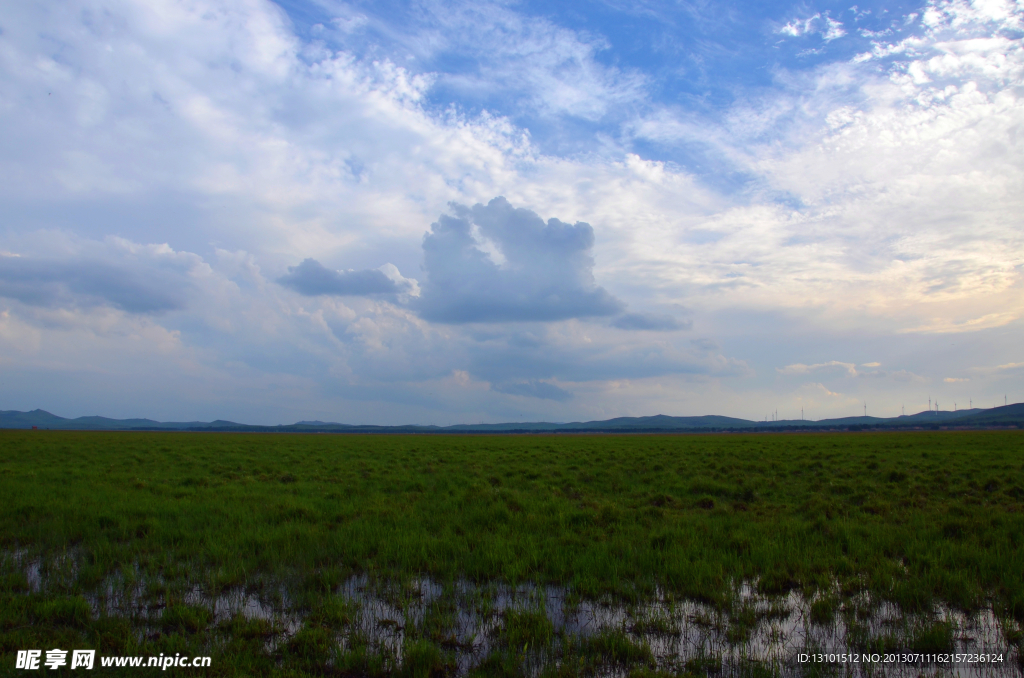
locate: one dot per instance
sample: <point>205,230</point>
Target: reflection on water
<point>467,620</point>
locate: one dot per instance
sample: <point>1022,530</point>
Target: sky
<point>419,212</point>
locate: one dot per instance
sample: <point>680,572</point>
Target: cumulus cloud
<point>496,263</point>
<point>649,321</point>
<point>312,278</point>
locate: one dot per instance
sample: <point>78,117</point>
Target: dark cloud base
<point>533,388</point>
<point>648,321</point>
<point>311,278</point>
<point>85,283</point>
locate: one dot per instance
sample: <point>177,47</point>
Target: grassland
<point>913,519</point>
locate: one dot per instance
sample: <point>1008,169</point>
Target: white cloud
<point>798,27</point>
<point>529,64</point>
<point>828,28</point>
<point>900,191</point>
<point>833,30</point>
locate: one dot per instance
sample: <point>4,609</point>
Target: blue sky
<point>426,212</point>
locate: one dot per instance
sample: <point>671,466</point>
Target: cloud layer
<point>199,198</point>
<point>57,284</point>
<point>311,278</point>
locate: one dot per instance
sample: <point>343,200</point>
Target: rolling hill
<point>1009,415</point>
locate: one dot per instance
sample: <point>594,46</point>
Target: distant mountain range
<point>1009,415</point>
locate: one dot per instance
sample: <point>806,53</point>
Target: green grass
<point>911,518</point>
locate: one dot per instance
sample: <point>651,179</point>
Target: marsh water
<point>782,635</point>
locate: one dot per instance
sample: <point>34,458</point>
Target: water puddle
<point>469,621</point>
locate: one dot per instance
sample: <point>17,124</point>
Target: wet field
<point>617,556</point>
<point>379,623</point>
